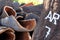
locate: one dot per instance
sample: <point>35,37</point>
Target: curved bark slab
<point>8,11</point>
<point>22,25</point>
<point>6,33</point>
<point>28,24</point>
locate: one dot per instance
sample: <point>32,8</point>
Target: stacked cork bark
<point>15,24</point>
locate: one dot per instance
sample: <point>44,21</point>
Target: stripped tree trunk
<point>49,27</point>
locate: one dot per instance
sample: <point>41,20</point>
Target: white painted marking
<point>49,16</point>
<point>56,17</point>
<point>48,32</point>
<point>53,17</point>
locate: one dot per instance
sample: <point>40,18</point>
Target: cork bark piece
<point>22,25</point>
<point>6,33</point>
<point>8,11</point>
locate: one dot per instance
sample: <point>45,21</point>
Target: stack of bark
<point>15,23</point>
